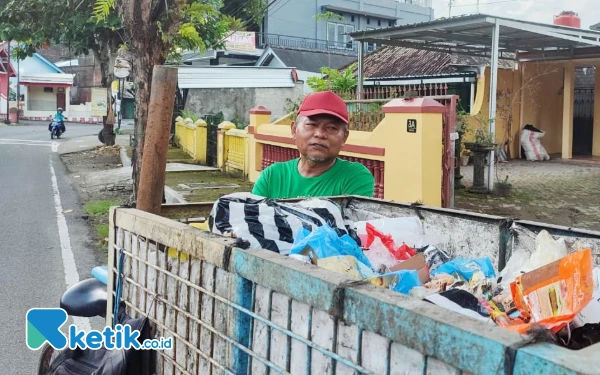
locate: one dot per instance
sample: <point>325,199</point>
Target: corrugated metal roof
<point>311,60</point>
<point>49,78</point>
<point>472,35</point>
<point>206,77</point>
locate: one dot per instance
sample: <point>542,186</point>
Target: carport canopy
<point>486,36</point>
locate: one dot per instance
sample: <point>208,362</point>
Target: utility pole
<point>7,121</point>
<point>450,3</point>
<point>18,87</point>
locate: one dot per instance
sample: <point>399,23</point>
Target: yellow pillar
<point>568,103</point>
<point>258,116</point>
<point>222,146</point>
<point>596,139</point>
<point>412,133</point>
<point>200,135</point>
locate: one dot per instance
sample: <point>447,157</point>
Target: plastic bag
<point>547,250</point>
<point>591,313</point>
<point>403,252</point>
<point>346,265</point>
<point>324,242</point>
<point>404,281</point>
<point>380,257</point>
<point>553,295</point>
<point>271,225</point>
<point>434,257</point>
<point>466,268</point>
<point>408,230</point>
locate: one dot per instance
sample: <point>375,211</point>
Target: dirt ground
<point>97,200</point>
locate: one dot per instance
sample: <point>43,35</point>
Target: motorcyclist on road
<point>60,118</point>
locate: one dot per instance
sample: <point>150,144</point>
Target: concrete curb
<point>125,160</point>
<point>171,196</point>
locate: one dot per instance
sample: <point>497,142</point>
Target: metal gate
<point>212,127</point>
<point>583,121</point>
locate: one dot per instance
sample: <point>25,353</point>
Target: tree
<point>157,30</point>
<point>36,24</point>
<point>249,12</point>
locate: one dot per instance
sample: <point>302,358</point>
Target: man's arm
<point>261,186</point>
<point>361,183</point>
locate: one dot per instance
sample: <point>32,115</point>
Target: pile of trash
<point>549,288</point>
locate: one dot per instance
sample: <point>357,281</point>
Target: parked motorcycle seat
<point>87,298</point>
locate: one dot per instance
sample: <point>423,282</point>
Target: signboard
<point>122,68</point>
<point>241,41</point>
<point>99,102</point>
<point>411,126</point>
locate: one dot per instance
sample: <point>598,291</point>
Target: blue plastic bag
<point>404,280</point>
<point>466,268</point>
<point>325,242</point>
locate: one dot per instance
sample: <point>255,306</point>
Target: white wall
<point>44,104</point>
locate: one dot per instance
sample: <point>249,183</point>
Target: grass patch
<point>175,153</point>
<point>173,179</point>
<point>102,230</point>
<point>97,208</point>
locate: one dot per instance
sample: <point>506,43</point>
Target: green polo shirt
<point>282,180</point>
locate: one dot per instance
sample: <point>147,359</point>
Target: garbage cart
<point>235,311</point>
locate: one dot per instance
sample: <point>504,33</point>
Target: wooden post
<point>156,142</point>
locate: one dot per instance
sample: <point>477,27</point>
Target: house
<point>295,24</point>
<point>308,63</point>
<point>42,86</point>
<point>7,70</point>
<point>394,69</point>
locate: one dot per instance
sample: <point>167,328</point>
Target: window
<point>336,35</point>
<point>48,89</point>
<point>368,20</point>
<point>392,23</point>
<point>352,18</point>
<point>371,46</point>
<point>378,22</point>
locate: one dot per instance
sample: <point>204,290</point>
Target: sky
<point>528,10</point>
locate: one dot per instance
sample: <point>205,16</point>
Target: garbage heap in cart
<point>551,291</point>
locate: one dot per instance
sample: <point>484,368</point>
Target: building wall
<point>509,81</point>
<point>297,18</point>
<point>236,102</point>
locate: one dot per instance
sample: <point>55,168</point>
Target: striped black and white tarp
<point>272,225</point>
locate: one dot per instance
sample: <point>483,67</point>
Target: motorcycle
<point>88,298</point>
<point>56,129</point>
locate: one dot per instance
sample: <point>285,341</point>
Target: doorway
<point>61,100</point>
<point>583,111</point>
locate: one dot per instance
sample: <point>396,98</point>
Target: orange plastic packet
<point>552,295</point>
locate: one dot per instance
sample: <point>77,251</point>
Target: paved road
<point>39,253</point>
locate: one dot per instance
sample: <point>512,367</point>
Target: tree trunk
<point>160,110</point>
<point>144,59</point>
<point>102,54</point>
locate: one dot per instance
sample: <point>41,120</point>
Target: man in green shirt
<point>320,130</point>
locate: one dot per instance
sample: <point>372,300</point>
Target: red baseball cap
<point>324,102</point>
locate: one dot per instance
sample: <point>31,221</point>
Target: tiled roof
<point>394,62</point>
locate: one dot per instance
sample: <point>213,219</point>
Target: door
<point>583,122</point>
<point>61,100</point>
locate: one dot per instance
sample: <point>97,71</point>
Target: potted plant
<point>503,187</point>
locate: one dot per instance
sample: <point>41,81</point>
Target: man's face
<point>319,138</point>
